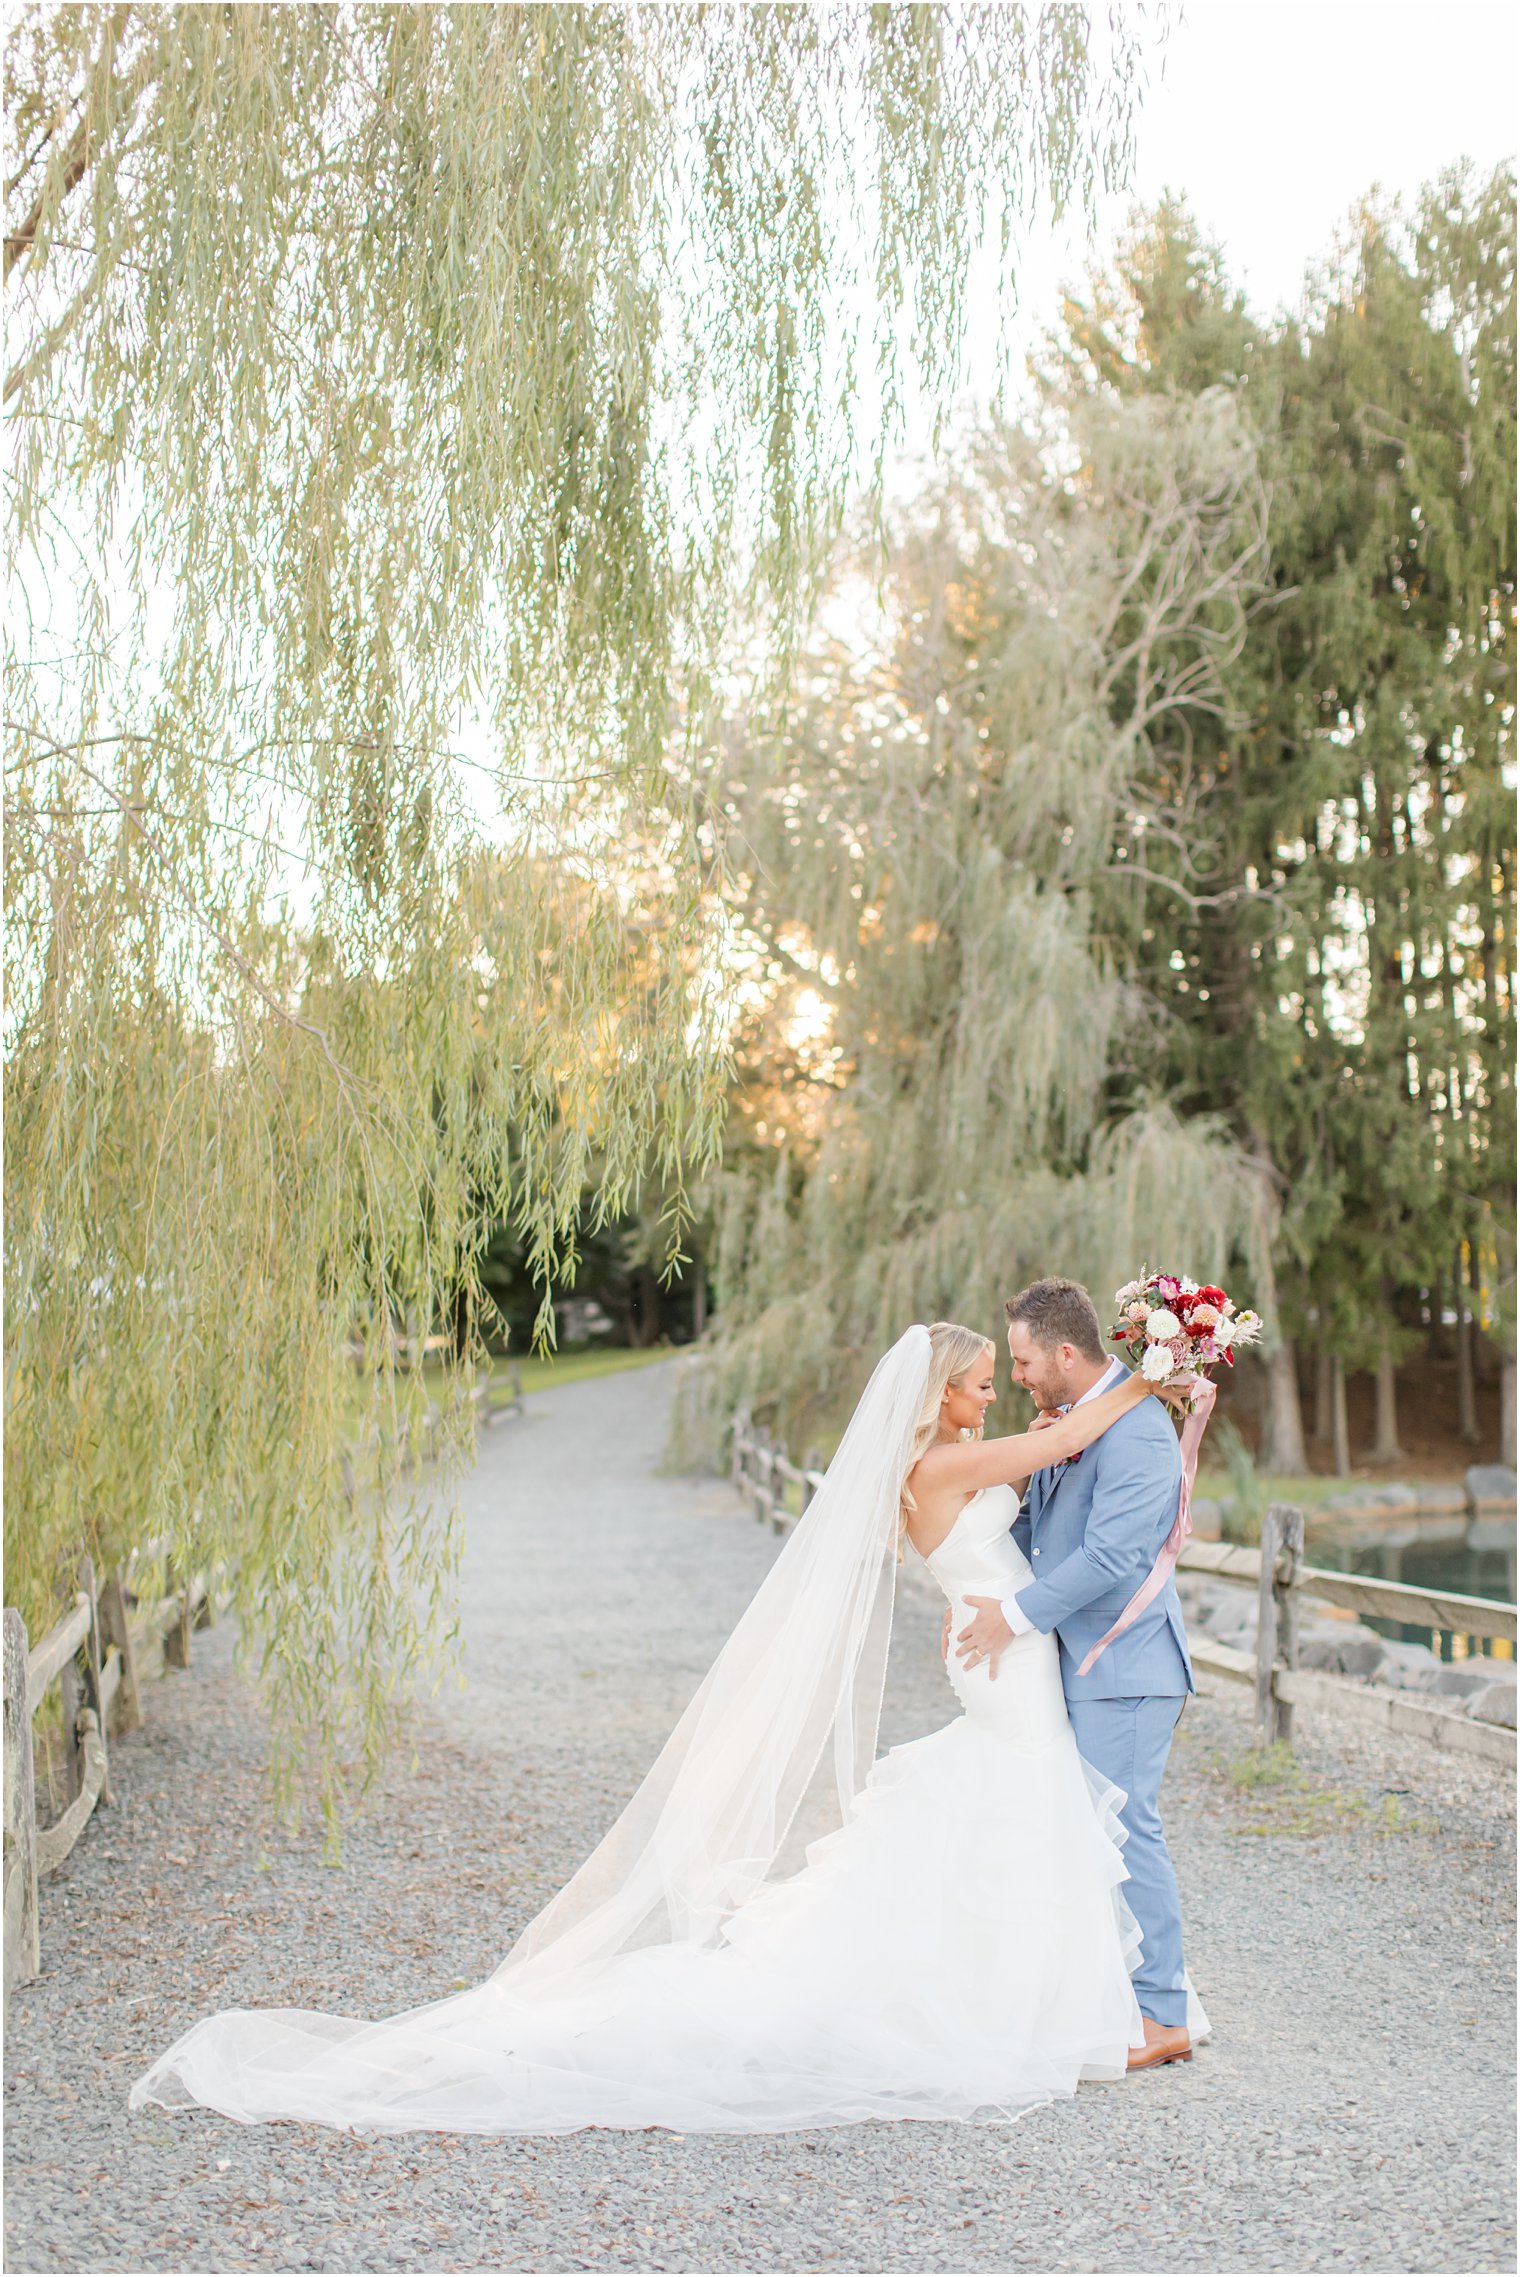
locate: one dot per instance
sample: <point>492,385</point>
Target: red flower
<point>1211,1296</point>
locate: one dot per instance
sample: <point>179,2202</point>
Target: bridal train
<point>957,1947</point>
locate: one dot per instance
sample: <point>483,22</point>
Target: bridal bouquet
<point>1173,1328</point>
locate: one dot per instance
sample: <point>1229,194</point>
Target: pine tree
<point>1342,984</point>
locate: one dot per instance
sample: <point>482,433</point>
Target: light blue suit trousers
<point>1129,1741</point>
<point>1091,1530</point>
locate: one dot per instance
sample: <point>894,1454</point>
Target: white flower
<point>1225,1334</point>
<point>1129,1292</point>
<point>1188,1288</point>
<point>1137,1311</point>
<point>1163,1326</point>
<point>1158,1363</point>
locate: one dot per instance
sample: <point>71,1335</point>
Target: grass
<point>541,1371</point>
<point>1273,1782</point>
<point>539,1374</point>
<point>1307,1490</point>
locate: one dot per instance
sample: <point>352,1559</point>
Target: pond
<point>1474,1560</point>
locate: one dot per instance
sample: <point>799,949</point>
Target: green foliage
<point>1270,1766</point>
<point>405,404</point>
<point>200,1226</point>
<point>1286,1803</point>
<point>620,1263</point>
<point>1056,924</point>
<point>1248,1489</point>
<point>542,1372</point>
<point>932,838</point>
<point>1333,916</point>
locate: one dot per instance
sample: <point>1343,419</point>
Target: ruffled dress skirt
<point>959,1949</point>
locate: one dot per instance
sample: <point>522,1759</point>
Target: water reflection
<point>1475,1559</point>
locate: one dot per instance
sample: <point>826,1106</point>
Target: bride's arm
<point>964,1465</point>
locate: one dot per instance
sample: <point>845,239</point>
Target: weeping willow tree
<point>953,842</point>
<point>406,405</point>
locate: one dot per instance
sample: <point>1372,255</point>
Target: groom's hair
<point>1058,1312</point>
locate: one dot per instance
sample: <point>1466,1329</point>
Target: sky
<point>1273,119</point>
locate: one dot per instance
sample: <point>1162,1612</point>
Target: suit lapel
<point>1053,1478</point>
<point>1045,1484</point>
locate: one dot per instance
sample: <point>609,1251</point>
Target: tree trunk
<point>1339,1431</point>
<point>1386,1448</point>
<point>1282,1429</point>
<point>1324,1394</point>
<point>643,1309</point>
<point>1467,1398</point>
<point>1507,1408</point>
<point>461,1325</point>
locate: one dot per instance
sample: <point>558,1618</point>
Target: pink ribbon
<point>1155,1581</point>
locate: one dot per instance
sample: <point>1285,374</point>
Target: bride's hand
<point>1046,1420</point>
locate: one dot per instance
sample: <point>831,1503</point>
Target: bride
<point>780,1931</point>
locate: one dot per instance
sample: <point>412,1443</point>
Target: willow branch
<point>121,97</point>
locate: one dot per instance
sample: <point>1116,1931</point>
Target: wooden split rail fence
<point>1281,1579</point>
<point>778,1490</point>
<point>503,1395</point>
<point>102,1652</point>
<point>763,1473</point>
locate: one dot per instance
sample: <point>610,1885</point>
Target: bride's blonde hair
<point>952,1351</point>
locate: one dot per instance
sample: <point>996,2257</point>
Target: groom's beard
<point>1049,1396</point>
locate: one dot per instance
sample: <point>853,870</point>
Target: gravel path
<point>1351,1937</point>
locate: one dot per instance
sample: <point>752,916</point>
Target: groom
<point>1091,1528</point>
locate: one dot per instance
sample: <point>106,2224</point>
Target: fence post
<point>811,1461</point>
<point>71,1694</point>
<point>92,1660</point>
<point>1285,1591</point>
<point>765,1498</point>
<point>1282,1549</point>
<point>177,1639</point>
<point>740,1445</point>
<point>126,1708</point>
<point>23,1953</point>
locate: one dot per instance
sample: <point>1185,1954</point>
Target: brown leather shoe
<point>1164,2044</point>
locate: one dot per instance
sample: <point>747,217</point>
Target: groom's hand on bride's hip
<point>986,1638</point>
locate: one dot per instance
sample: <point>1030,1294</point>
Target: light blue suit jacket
<point>1091,1529</point>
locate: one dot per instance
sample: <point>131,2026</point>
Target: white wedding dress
<point>957,1948</point>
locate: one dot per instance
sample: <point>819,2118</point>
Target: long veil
<point>775,1746</point>
<point>782,1731</point>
